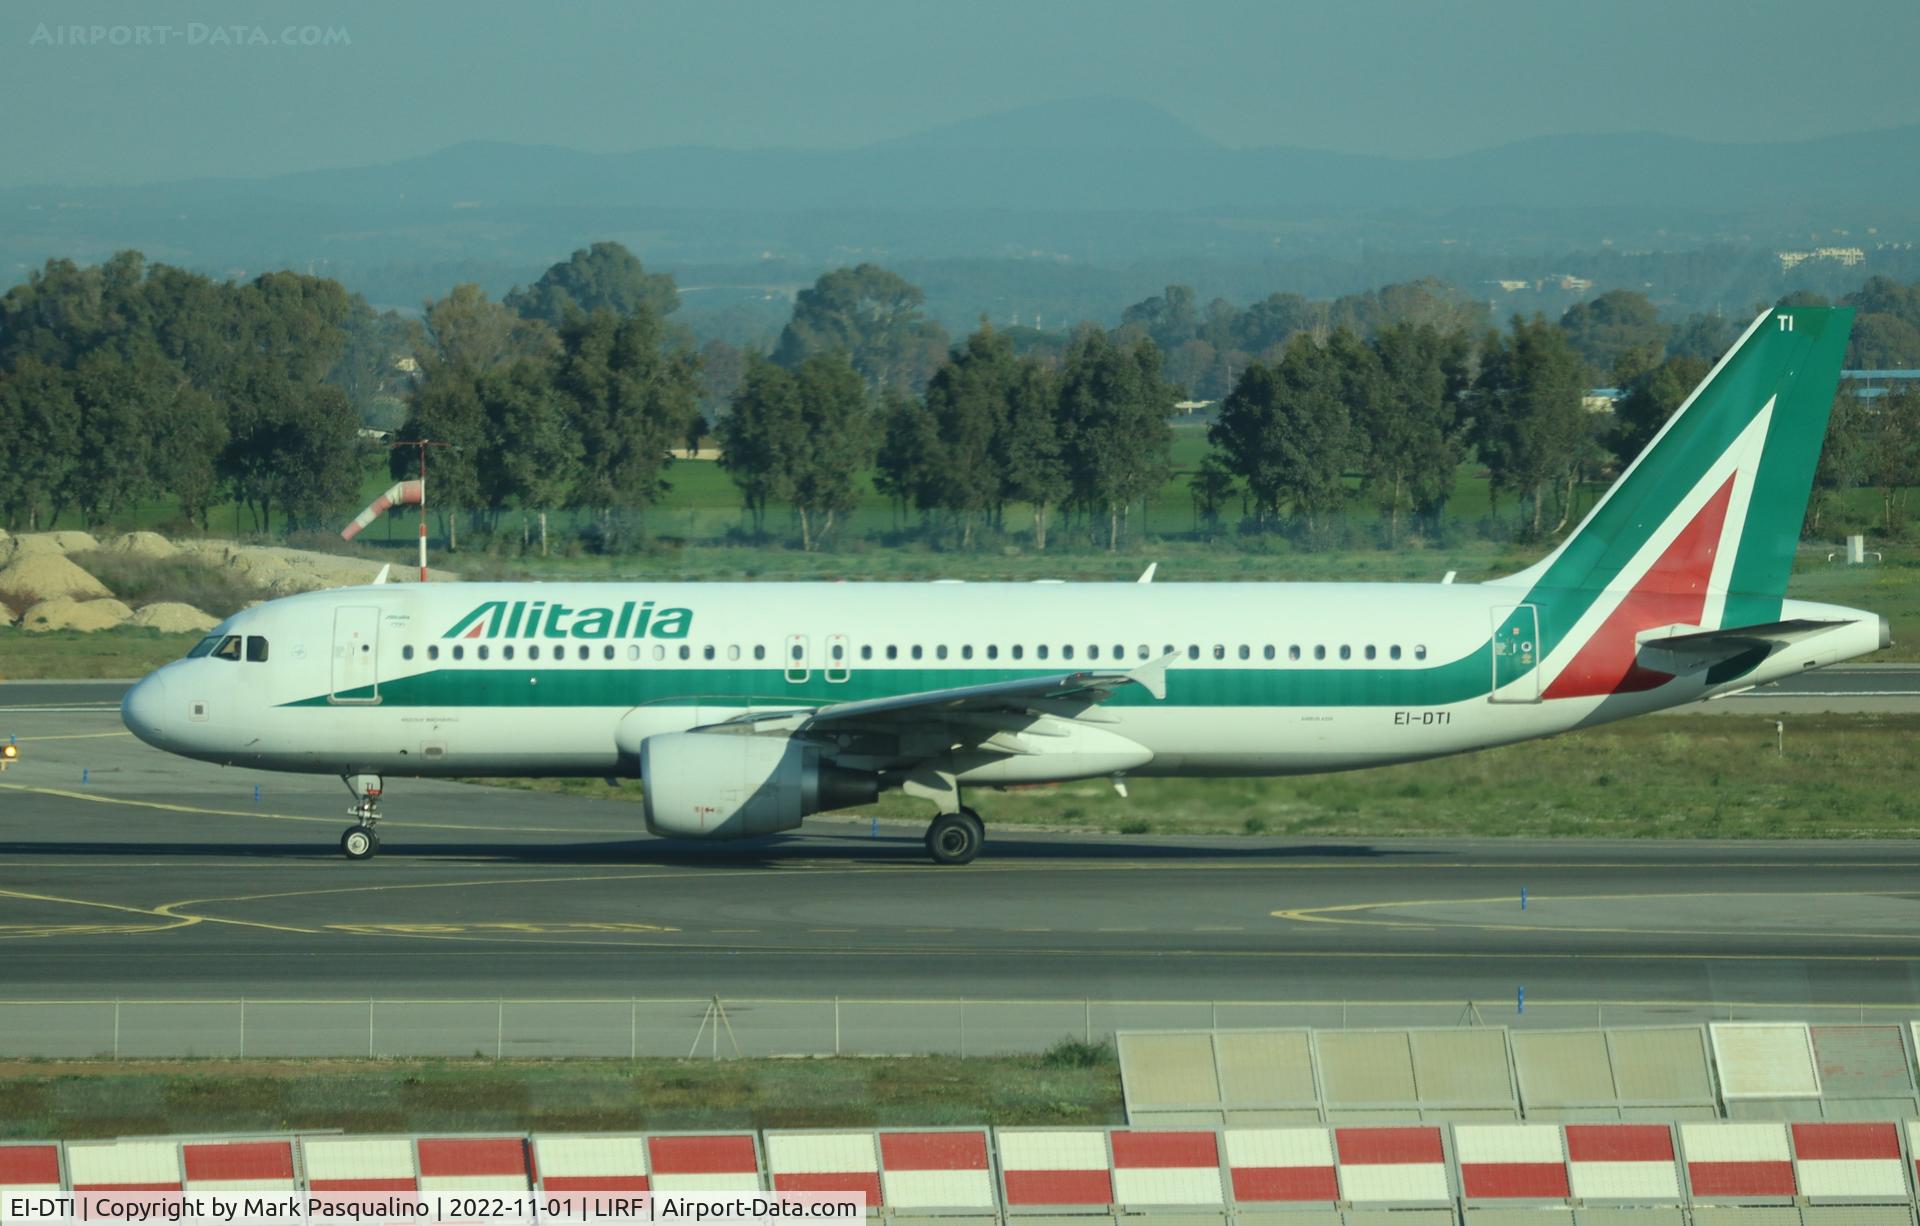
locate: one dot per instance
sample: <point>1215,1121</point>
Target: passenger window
<point>406,653</point>
<point>1040,652</point>
<point>481,651</point>
<point>1419,651</point>
<point>866,652</point>
<point>1168,650</point>
<point>1193,651</point>
<point>533,652</point>
<point>759,651</point>
<point>1246,652</point>
<point>1219,651</point>
<point>940,652</point>
<point>839,652</point>
<point>1346,652</point>
<point>893,653</point>
<point>506,653</point>
<point>1119,651</point>
<point>585,653</point>
<point>706,653</point>
<point>459,652</point>
<point>1146,652</point>
<point>733,651</point>
<point>1293,652</point>
<point>606,653</point>
<point>256,649</point>
<point>1018,650</point>
<point>1393,652</point>
<point>1319,651</point>
<point>229,648</point>
<point>1369,652</point>
<point>797,651</point>
<point>1093,651</point>
<point>633,651</point>
<point>433,651</point>
<point>966,651</point>
<point>916,651</point>
<point>660,651</point>
<point>1268,651</point>
<point>686,652</point>
<point>993,651</point>
<point>1066,653</point>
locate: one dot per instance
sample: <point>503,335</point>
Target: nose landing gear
<point>360,841</point>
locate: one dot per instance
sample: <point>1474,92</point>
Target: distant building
<point>1600,399</point>
<point>1872,384</point>
<point>1846,257</point>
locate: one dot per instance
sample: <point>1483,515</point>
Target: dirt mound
<point>45,575</point>
<point>66,613</point>
<point>173,617</point>
<point>144,544</point>
<point>35,545</point>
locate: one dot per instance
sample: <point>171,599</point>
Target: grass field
<point>1679,777</point>
<point>125,651</point>
<point>83,1099</point>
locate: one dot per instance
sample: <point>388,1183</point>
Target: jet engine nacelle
<point>718,785</point>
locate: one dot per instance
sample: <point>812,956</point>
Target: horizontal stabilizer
<point>1691,652</point>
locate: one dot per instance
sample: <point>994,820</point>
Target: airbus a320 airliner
<point>743,708</point>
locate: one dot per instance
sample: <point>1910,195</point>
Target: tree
<point>907,467</point>
<point>603,277</point>
<point>1286,431</point>
<point>1648,399</point>
<point>1883,342</point>
<point>1169,319</point>
<point>1615,322</point>
<point>833,444</point>
<point>1842,454</point>
<point>1704,336</point>
<point>467,333</point>
<point>758,434</point>
<point>630,401</point>
<point>1412,428</point>
<point>39,442</point>
<point>1891,452</point>
<point>1529,425</point>
<point>968,400</point>
<point>1028,449</point>
<point>875,316</point>
<point>1211,487</point>
<point>531,456</point>
<point>1113,425</point>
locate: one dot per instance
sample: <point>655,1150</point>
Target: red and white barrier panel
<point>359,1164</point>
<point>238,1166</point>
<point>473,1164</point>
<point>590,1164</point>
<point>1623,1162</point>
<point>1737,1162</point>
<point>1055,1169</point>
<point>722,1162</point>
<point>124,1166</point>
<point>1166,1168</point>
<point>1849,1162</point>
<point>1913,1130</point>
<point>26,1170</point>
<point>1281,1166</point>
<point>1392,1166</point>
<point>824,1162</point>
<point>1508,1162</point>
<point>936,1170</point>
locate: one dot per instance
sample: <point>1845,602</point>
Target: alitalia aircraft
<point>743,708</point>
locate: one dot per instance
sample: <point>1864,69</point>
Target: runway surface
<point>157,877</point>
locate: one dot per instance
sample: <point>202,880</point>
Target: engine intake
<point>717,785</point>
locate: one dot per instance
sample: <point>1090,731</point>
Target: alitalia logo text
<point>537,619</point>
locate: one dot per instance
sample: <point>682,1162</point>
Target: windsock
<point>403,494</point>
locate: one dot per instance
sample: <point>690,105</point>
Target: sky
<point>129,91</point>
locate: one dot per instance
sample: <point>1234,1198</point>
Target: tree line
<point>126,381</point>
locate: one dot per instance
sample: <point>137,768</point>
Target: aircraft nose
<point>145,710</point>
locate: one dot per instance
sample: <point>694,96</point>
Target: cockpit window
<point>256,649</point>
<point>204,647</point>
<point>229,648</point>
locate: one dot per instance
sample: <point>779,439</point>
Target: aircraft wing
<point>1025,698</point>
<point>1691,652</point>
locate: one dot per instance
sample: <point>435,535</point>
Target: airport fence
<point>729,1027</point>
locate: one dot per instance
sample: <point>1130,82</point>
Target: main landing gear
<point>360,842</point>
<point>955,838</point>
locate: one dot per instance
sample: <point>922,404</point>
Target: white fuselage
<point>1266,678</point>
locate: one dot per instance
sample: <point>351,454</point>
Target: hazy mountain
<point>1088,155</point>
